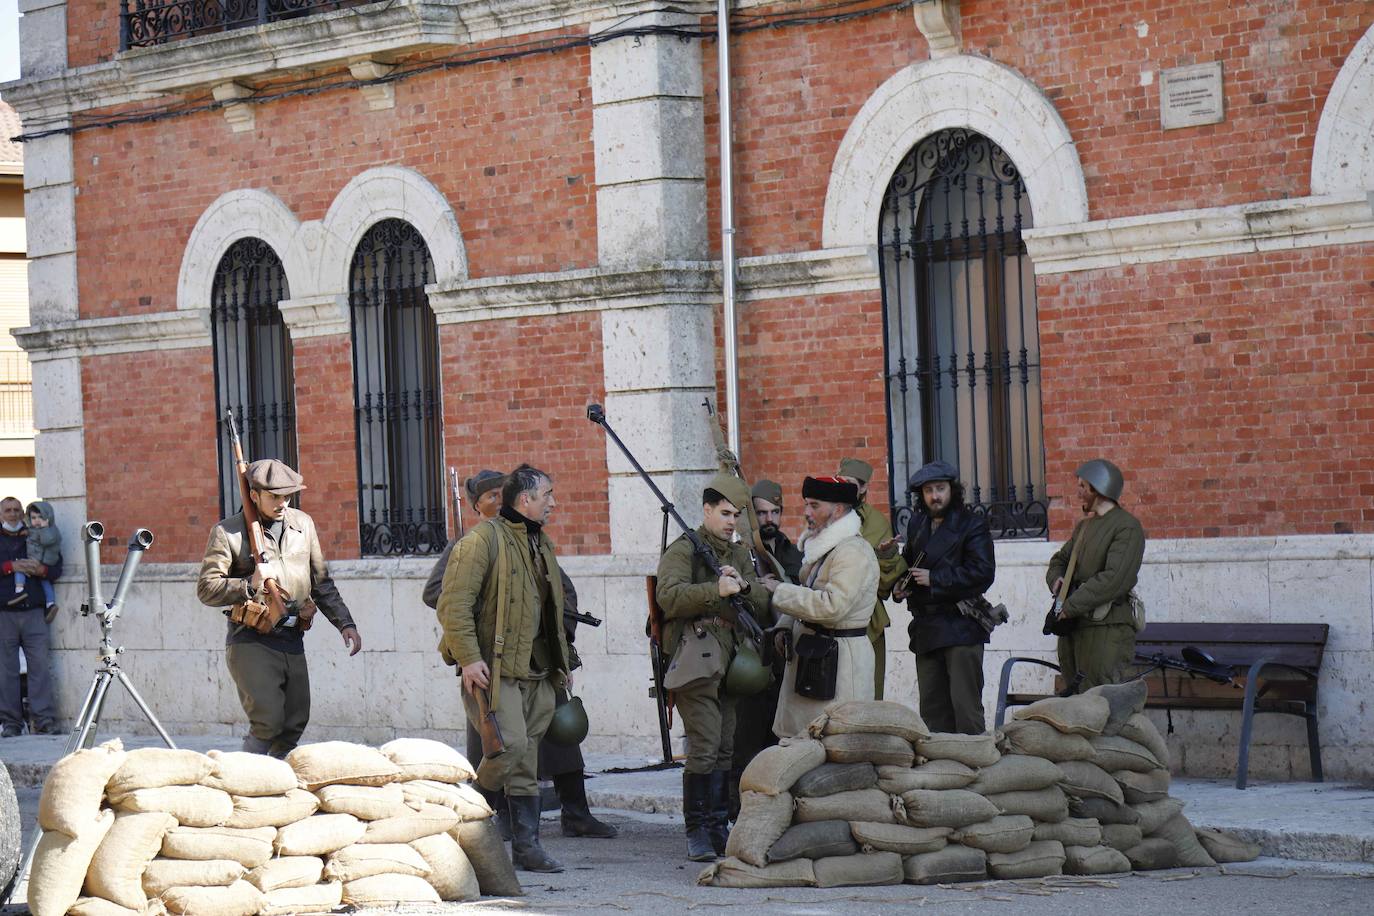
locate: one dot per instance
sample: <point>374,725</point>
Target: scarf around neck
<point>815,546</point>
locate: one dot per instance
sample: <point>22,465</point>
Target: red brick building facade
<point>1202,301</point>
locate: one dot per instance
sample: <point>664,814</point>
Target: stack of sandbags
<point>236,834</point>
<point>1075,785</point>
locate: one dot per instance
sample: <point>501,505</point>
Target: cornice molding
<point>1304,222</point>
<point>126,334</point>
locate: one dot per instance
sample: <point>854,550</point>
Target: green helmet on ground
<point>746,675</point>
<point>1102,476</point>
<point>569,725</point>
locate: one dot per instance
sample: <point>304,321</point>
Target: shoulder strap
<point>1073,562</point>
<point>502,584</point>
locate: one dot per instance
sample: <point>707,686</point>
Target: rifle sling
<point>1073,562</point>
<point>499,644</point>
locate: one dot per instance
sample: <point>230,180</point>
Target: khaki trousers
<point>708,718</point>
<point>1100,653</point>
<point>524,710</point>
<point>274,688</point>
<point>951,684</point>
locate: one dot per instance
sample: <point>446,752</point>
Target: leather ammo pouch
<point>818,665</point>
<point>306,613</point>
<point>254,614</point>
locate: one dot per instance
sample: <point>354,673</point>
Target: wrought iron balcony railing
<point>147,23</point>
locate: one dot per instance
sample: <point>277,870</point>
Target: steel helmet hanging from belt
<point>1102,476</point>
<point>746,675</point>
<point>569,725</point>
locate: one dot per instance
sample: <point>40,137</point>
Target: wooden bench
<point>1273,668</point>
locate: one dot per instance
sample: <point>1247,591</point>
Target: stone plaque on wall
<point>1189,96</point>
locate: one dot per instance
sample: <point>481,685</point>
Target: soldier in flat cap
<point>269,668</point>
<point>699,634</point>
<point>877,530</point>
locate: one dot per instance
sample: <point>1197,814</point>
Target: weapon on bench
<point>1193,661</point>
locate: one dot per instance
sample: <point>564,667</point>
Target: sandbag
<point>1225,848</point>
<point>1094,860</point>
<point>887,750</point>
<point>462,800</point>
<point>945,808</point>
<point>319,835</point>
<point>734,873</point>
<point>872,869</point>
<point>937,774</point>
<point>450,872</point>
<point>971,750</point>
<point>1124,700</point>
<point>762,819</point>
<point>297,901</point>
<point>363,860</point>
<point>1178,831</point>
<point>72,793</point>
<point>1086,780</point>
<point>1016,773</point>
<point>898,838</point>
<point>422,758</point>
<point>385,890</point>
<point>481,843</point>
<point>1071,831</point>
<point>1152,853</point>
<point>776,769</point>
<point>237,899</point>
<point>1005,833</point>
<point>164,874</point>
<point>1104,810</point>
<point>192,806</point>
<point>1040,739</point>
<point>116,869</point>
<point>250,775</point>
<point>99,906</point>
<point>950,865</point>
<point>1119,753</point>
<point>814,840</point>
<point>155,767</point>
<point>1038,860</point>
<point>1142,787</point>
<point>830,778</point>
<point>874,716</point>
<point>1046,806</point>
<point>366,803</point>
<point>1150,816</point>
<point>1141,729</point>
<point>1121,837</point>
<point>427,821</point>
<point>248,846</point>
<point>863,805</point>
<point>286,871</point>
<point>331,762</point>
<point>1082,714</point>
<point>60,863</point>
<point>252,811</point>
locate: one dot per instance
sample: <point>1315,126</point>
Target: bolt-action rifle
<point>765,564</point>
<point>456,492</point>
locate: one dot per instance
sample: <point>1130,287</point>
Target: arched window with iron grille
<point>960,333</point>
<point>396,394</point>
<point>252,351</point>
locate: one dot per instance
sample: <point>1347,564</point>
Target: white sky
<point>9,40</point>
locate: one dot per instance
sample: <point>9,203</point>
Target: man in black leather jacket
<point>949,556</point>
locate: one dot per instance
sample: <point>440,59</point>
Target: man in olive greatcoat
<point>876,529</point>
<point>1102,643</point>
<point>697,613</point>
<point>503,580</point>
<point>949,555</point>
<point>269,669</point>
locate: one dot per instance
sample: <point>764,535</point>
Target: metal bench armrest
<point>1005,682</point>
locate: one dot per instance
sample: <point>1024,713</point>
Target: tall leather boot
<point>696,799</point>
<point>256,745</point>
<point>526,852</point>
<point>718,816</point>
<point>577,817</point>
<point>497,802</point>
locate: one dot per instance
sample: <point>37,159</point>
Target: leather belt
<point>717,620</point>
<point>836,634</point>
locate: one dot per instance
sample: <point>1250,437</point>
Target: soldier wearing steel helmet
<point>1099,646</point>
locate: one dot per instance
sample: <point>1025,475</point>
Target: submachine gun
<point>745,623</point>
